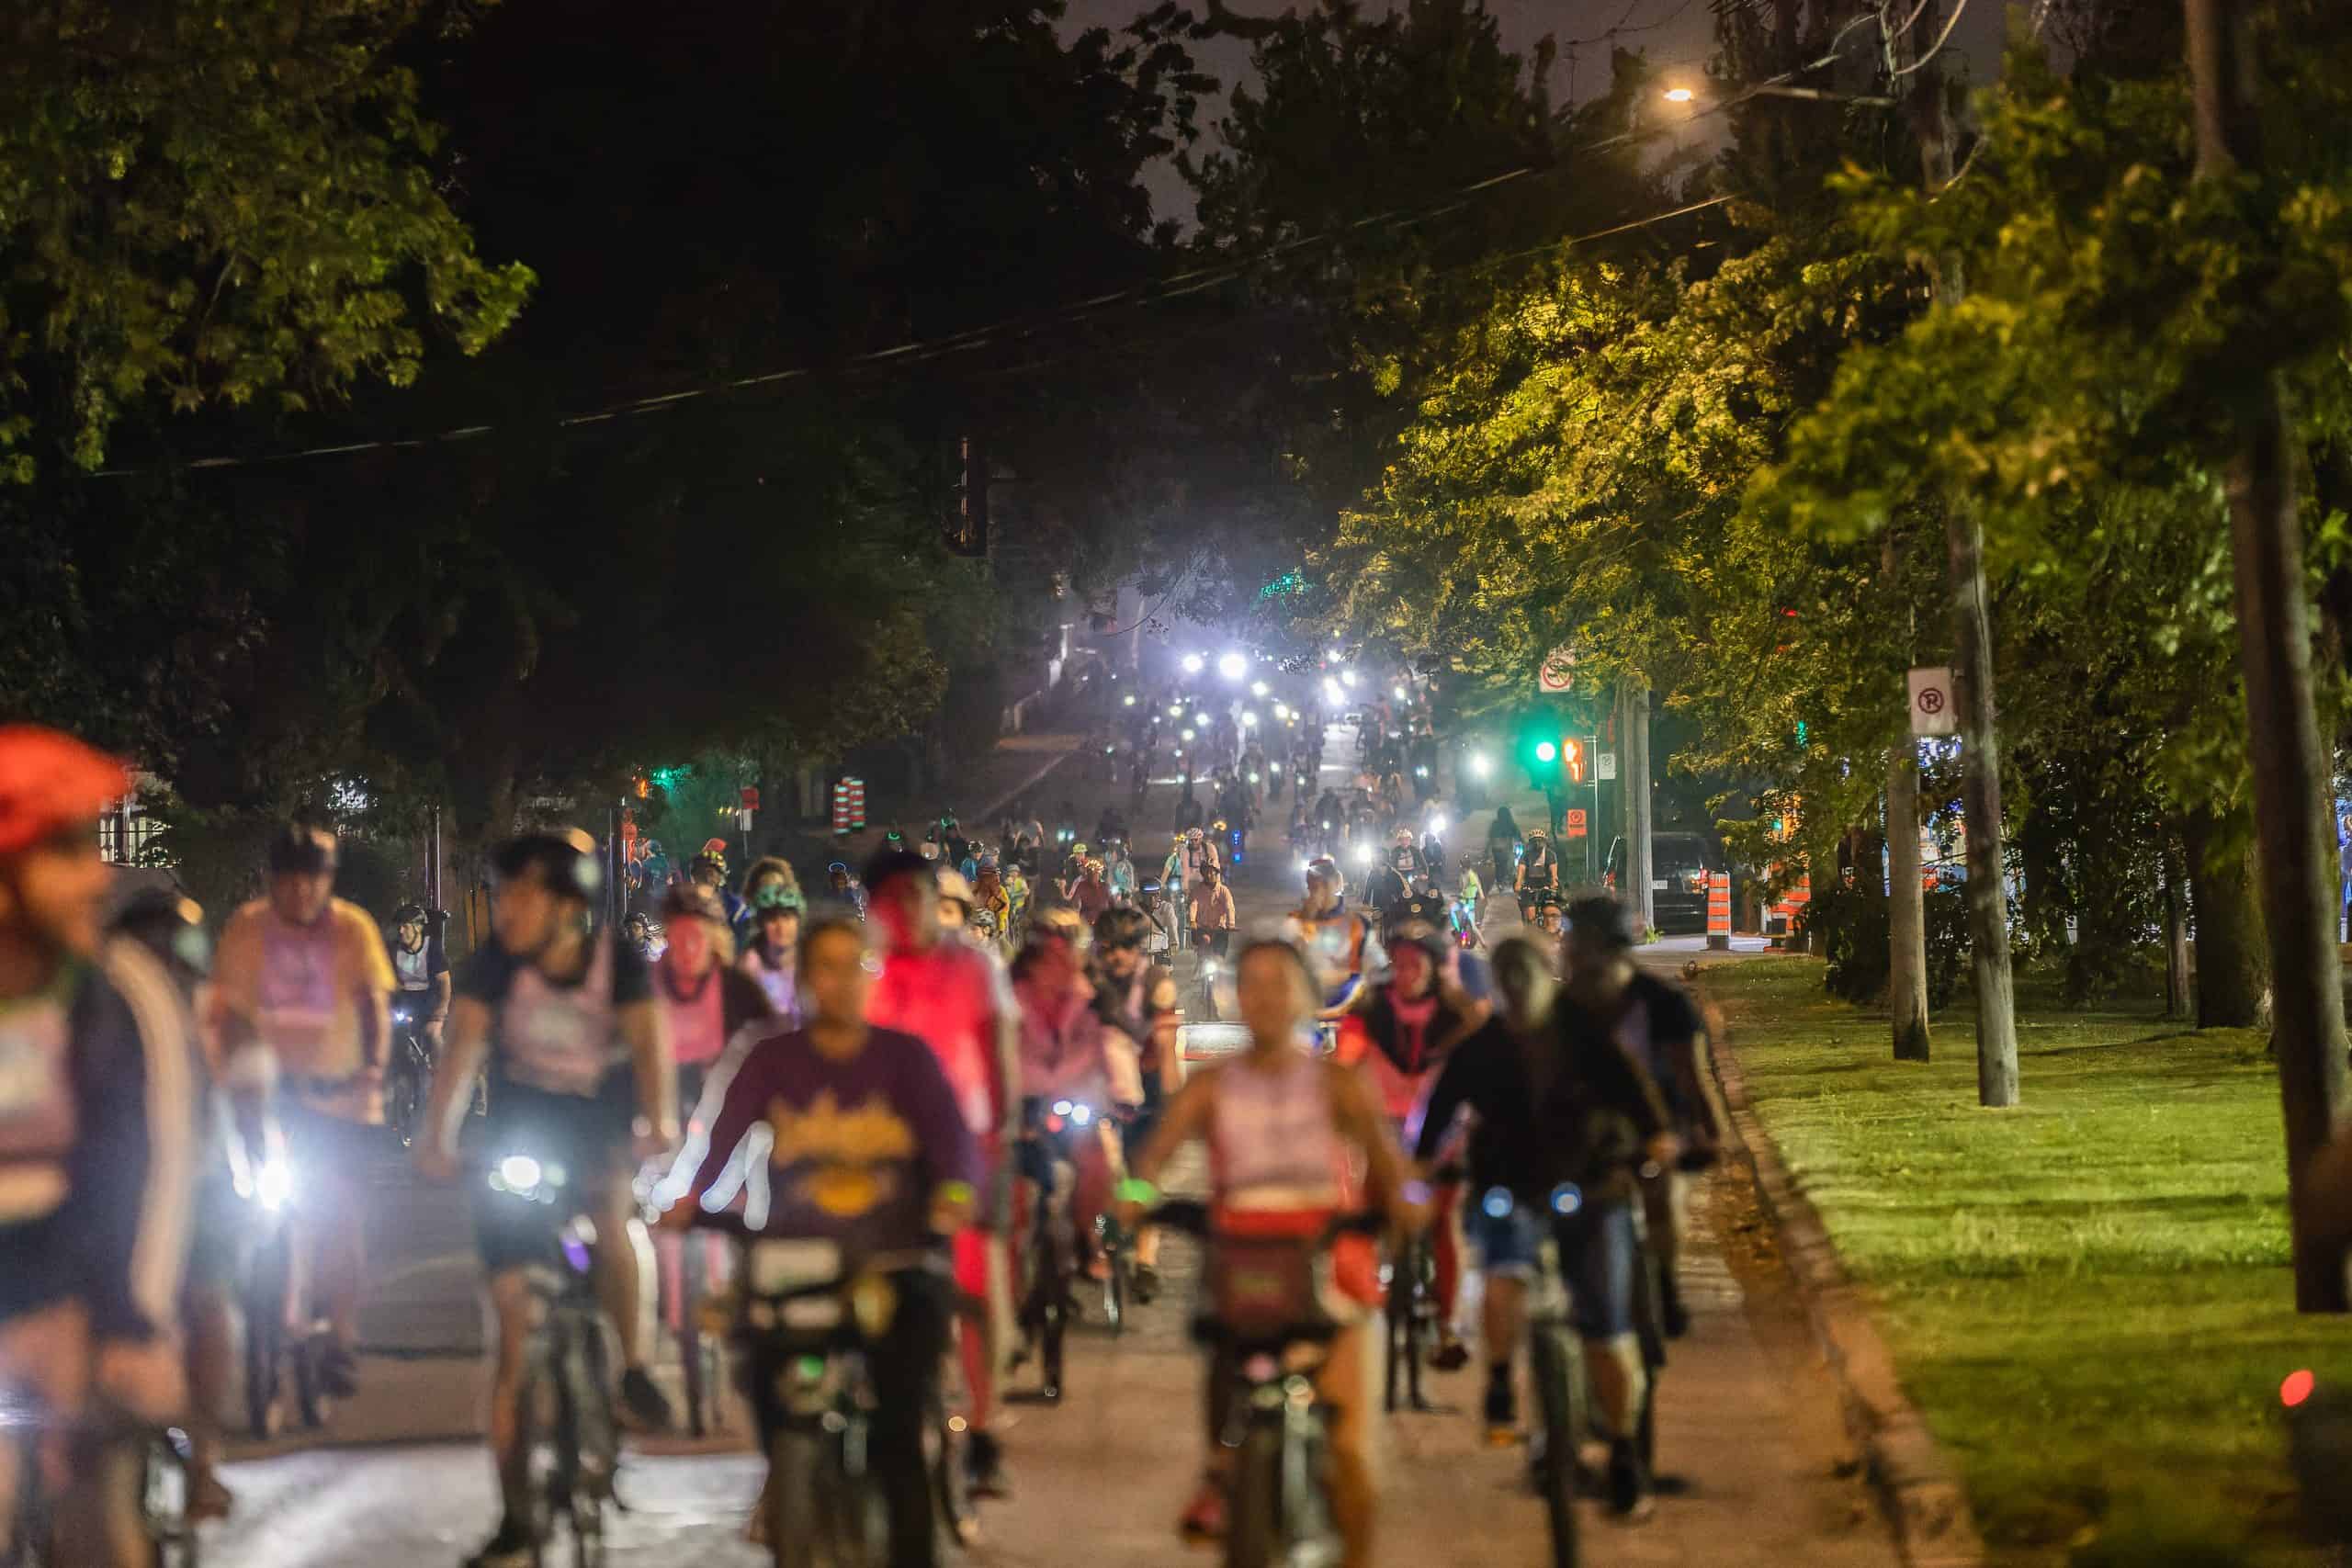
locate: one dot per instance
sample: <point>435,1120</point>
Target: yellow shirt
<point>301,988</point>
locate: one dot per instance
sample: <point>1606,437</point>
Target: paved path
<point>1745,1412</point>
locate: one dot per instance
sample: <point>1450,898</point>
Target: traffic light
<point>1575,756</point>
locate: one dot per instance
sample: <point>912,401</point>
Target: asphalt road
<point>1745,1413</point>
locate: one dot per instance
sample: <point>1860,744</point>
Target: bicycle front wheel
<point>1254,1534</point>
<point>1559,1395</point>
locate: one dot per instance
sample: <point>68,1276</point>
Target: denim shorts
<point>1599,1253</point>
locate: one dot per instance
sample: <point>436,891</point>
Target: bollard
<point>1719,911</point>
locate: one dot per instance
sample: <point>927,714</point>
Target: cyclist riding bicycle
<point>1538,874</point>
<point>1397,1034</point>
<point>710,1009</point>
<point>302,974</point>
<point>581,1074</point>
<point>1340,946</point>
<point>1070,1052</point>
<point>423,973</point>
<point>1564,1121</point>
<point>1135,992</point>
<point>954,996</point>
<point>1605,994</point>
<point>1287,1135</point>
<point>1210,914</point>
<point>868,1151</point>
<point>99,1108</point>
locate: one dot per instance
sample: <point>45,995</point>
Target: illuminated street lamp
<point>1258,688</point>
<point>1233,666</point>
<point>1194,663</point>
<point>1347,677</point>
<point>1248,718</point>
<point>1480,765</point>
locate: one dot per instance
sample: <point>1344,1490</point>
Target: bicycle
<point>268,1294</point>
<point>1050,1260</point>
<point>1555,1374</point>
<point>810,1322</point>
<point>564,1414</point>
<point>163,1483</point>
<point>1412,1320</point>
<point>408,1076</point>
<point>1269,1327</point>
<point>1118,1282</point>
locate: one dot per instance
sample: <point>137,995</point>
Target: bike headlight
<point>402,1015</point>
<point>1363,854</point>
<point>1063,1108</point>
<point>1082,1114</point>
<point>519,1174</point>
<point>1567,1198</point>
<point>274,1185</point>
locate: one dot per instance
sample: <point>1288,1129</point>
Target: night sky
<point>1675,32</point>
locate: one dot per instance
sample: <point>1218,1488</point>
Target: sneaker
<point>512,1547</point>
<point>1204,1517</point>
<point>647,1407</point>
<point>1147,1285</point>
<point>1451,1354</point>
<point>984,1467</point>
<point>1502,1411</point>
<point>1672,1315</point>
<point>1629,1491</point>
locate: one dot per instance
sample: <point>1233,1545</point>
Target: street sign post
<point>1934,710</point>
<point>1605,766</point>
<point>1575,822</point>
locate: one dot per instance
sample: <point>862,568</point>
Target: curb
<point>1918,1487</point>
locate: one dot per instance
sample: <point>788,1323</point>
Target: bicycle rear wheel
<point>263,1305</point>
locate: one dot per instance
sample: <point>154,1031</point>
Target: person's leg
<point>46,1354</point>
<point>1445,1255</point>
<point>1506,1255</point>
<point>211,1355</point>
<point>621,1264</point>
<point>905,1369</point>
<point>517,1311</point>
<point>1350,1383</point>
<point>1666,1208</point>
<point>1599,1253</point>
<point>341,1254</point>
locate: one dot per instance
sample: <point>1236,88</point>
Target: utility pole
<point>1635,773</point>
<point>1921,88</point>
<point>2291,771</point>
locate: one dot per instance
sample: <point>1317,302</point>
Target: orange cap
<point>48,781</point>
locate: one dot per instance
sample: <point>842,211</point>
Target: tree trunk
<point>2179,1002</point>
<point>1988,915</point>
<point>1906,913</point>
<point>2292,773</point>
<point>2233,964</point>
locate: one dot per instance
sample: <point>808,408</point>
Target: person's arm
<point>744,1097</point>
<point>947,1153</point>
<point>374,984</point>
<point>647,1034</point>
<point>1458,1082</point>
<point>1186,1118</point>
<point>133,1164</point>
<point>464,1049</point>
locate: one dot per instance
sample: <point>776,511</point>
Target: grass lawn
<point>2088,1294</point>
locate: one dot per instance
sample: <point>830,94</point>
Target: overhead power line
<point>1175,285</point>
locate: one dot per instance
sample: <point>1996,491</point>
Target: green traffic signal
<point>1547,752</point>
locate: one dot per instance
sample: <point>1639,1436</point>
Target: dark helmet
<point>563,862</point>
<point>1120,927</point>
<point>301,846</point>
<point>408,915</point>
<point>1416,933</point>
<point>169,924</point>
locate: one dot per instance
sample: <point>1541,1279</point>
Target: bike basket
<point>1264,1289</point>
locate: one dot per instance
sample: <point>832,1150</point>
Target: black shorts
<point>581,1144</point>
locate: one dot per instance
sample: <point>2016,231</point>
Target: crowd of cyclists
<point>875,1067</point>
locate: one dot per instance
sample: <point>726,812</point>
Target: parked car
<point>1680,863</point>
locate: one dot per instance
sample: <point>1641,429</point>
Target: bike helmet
<point>1121,927</point>
<point>301,847</point>
<point>408,915</point>
<point>564,862</point>
<point>1323,868</point>
<point>169,924</point>
<point>51,782</point>
<point>953,885</point>
<point>777,895</point>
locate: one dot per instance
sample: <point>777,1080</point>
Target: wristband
<point>1135,1190</point>
<point>954,1193</point>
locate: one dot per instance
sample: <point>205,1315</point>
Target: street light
<point>1233,666</point>
<point>1248,718</point>
<point>1347,677</point>
<point>1194,663</point>
<point>1480,766</point>
<point>1258,688</point>
<point>1400,694</point>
